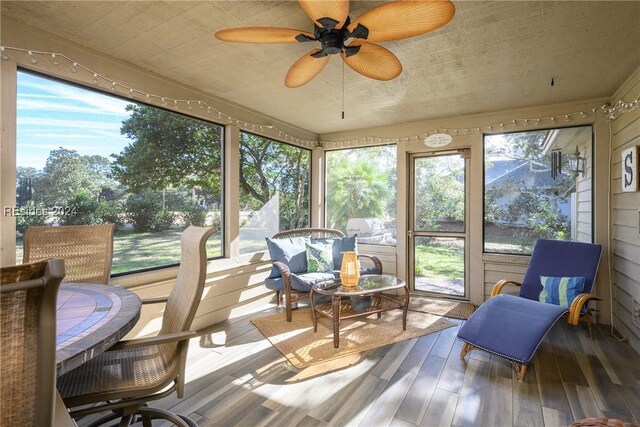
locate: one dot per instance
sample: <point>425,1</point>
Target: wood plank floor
<point>235,377</point>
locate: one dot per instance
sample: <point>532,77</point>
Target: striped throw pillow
<point>560,290</point>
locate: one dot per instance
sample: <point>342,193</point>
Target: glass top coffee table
<point>369,286</point>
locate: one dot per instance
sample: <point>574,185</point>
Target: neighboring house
<point>508,178</point>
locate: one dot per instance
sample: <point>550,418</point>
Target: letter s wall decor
<point>630,169</point>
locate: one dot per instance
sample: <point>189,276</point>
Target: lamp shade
<point>576,164</point>
<point>350,271</point>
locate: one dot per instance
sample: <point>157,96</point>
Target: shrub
<point>194,215</point>
<point>146,214</point>
<point>31,216</point>
<point>111,212</point>
<point>176,199</point>
<point>81,209</point>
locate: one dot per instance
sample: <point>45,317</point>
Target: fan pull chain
<point>342,90</point>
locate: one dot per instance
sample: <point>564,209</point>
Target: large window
<point>361,193</point>
<point>533,190</point>
<point>274,189</point>
<point>84,157</point>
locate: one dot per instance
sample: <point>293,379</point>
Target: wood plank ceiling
<point>492,56</point>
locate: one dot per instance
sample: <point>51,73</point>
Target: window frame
<point>223,165</point>
<point>590,166</point>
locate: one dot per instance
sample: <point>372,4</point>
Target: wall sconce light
<point>350,270</point>
<point>576,164</point>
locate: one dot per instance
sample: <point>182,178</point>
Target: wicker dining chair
<point>28,342</point>
<point>131,373</point>
<point>87,250</point>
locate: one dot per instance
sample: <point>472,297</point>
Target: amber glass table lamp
<point>350,271</point>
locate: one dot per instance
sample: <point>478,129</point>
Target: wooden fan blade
<point>305,69</point>
<point>260,35</point>
<point>373,61</point>
<point>337,10</point>
<point>402,19</point>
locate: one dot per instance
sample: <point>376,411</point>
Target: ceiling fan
<point>351,39</point>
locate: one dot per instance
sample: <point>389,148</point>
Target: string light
<point>621,107</point>
<point>609,112</point>
<point>540,121</point>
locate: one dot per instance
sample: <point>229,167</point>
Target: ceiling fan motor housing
<point>332,42</point>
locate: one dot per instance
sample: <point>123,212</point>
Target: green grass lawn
<point>436,259</point>
<point>136,251</point>
<point>510,240</point>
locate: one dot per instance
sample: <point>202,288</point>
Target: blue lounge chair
<point>513,327</point>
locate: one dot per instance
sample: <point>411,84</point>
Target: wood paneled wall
<point>228,293</point>
<point>386,254</point>
<point>625,217</point>
<point>498,267</point>
<point>584,199</point>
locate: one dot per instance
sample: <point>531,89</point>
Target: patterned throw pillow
<point>319,257</point>
<point>560,290</point>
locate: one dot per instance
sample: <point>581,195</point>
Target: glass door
<point>438,224</point>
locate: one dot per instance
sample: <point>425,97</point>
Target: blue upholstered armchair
<point>558,281</point>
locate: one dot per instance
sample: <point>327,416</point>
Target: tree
<point>26,177</point>
<point>518,146</point>
<point>439,192</point>
<point>67,174</point>
<point>267,167</point>
<point>169,150</point>
<point>358,186</point>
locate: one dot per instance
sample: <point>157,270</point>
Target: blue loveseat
<point>289,277</point>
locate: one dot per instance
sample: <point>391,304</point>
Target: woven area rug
<point>303,347</point>
<point>454,309</point>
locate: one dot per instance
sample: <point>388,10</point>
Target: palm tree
<point>356,189</point>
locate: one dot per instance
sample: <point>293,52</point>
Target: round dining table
<point>90,318</point>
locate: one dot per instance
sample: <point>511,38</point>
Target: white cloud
<point>67,93</point>
<point>67,123</point>
<point>36,95</point>
<point>58,107</point>
<point>104,139</point>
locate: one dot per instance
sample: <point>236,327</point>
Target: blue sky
<point>53,114</point>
